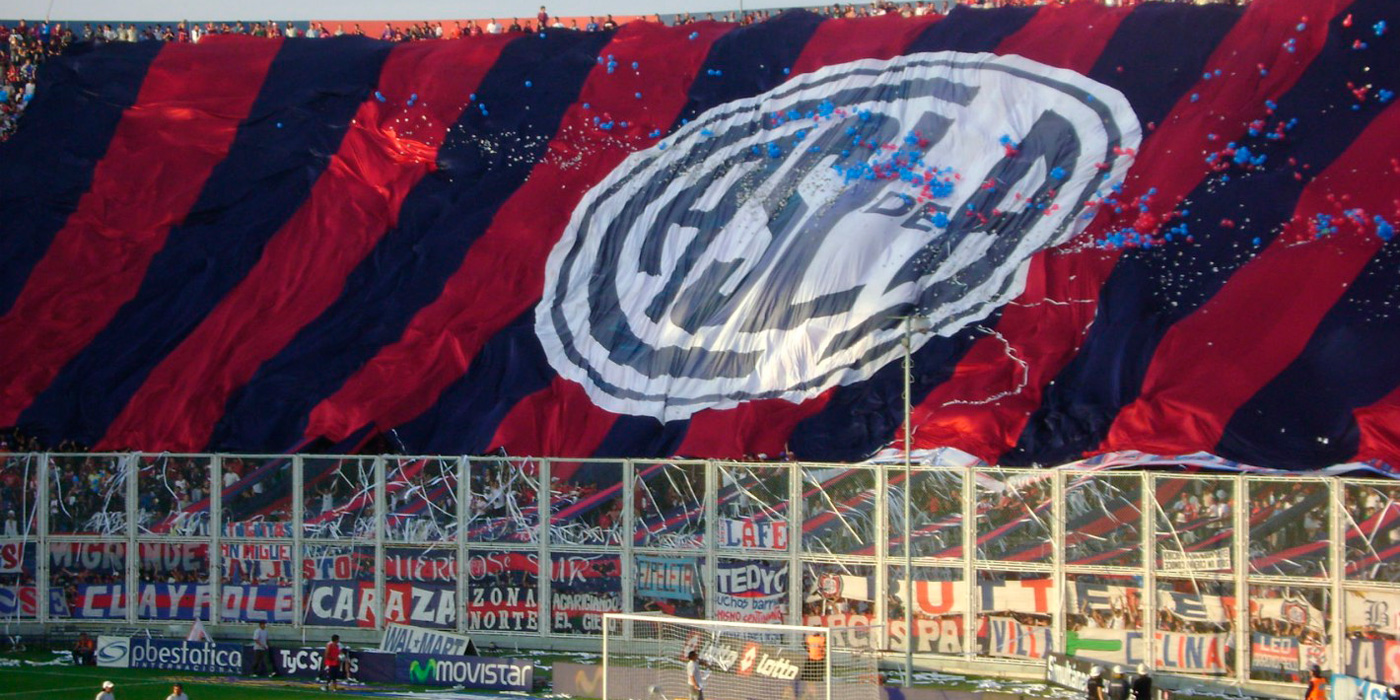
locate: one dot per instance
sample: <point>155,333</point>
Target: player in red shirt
<point>332,662</point>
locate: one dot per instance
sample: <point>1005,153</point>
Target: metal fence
<point>1240,577</point>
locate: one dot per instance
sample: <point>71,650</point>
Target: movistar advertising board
<point>466,671</point>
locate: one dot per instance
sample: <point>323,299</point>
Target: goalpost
<point>645,657</point>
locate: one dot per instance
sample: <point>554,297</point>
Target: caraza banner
<point>467,671</point>
<point>353,604</point>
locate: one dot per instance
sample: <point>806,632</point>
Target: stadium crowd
<point>24,46</point>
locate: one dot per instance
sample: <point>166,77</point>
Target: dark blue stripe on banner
<point>750,61</point>
<point>1159,52</point>
<point>443,216</point>
<point>972,30</point>
<point>1150,290</point>
<point>40,186</point>
<point>1304,417</point>
<point>441,428</point>
<point>861,418</point>
<point>642,435</point>
<point>509,367</point>
<point>302,113</point>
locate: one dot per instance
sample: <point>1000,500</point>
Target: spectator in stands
<point>85,650</point>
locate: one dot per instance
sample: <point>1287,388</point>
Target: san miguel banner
<point>751,591</point>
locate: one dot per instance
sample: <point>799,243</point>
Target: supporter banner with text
<point>751,591</point>
<point>341,604</point>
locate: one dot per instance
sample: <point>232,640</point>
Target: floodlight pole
<point>908,509</point>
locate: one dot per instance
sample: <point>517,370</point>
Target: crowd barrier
<point>1237,577</point>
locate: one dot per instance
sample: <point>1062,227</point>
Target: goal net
<point>646,657</point>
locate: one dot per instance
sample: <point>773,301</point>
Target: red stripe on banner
<point>502,276</point>
<point>844,40</point>
<point>750,429</point>
<point>181,126</point>
<point>1214,360</point>
<point>557,420</point>
<point>984,408</point>
<point>1379,424</point>
<point>376,167</point>
<point>1043,38</point>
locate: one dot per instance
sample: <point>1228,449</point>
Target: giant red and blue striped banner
<point>1161,228</point>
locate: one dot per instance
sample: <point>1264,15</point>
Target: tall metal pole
<point>908,511</point>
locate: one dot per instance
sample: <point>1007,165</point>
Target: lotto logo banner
<point>466,671</point>
<point>197,657</point>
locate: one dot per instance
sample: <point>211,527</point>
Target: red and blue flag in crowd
<point>1161,228</point>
